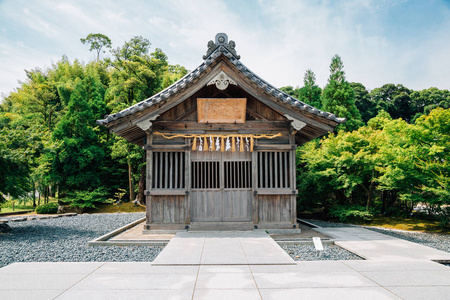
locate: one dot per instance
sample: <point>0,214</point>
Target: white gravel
<point>65,239</point>
<point>309,253</point>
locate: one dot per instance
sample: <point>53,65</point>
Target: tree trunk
<point>369,192</point>
<point>130,180</point>
<point>383,201</point>
<point>34,194</point>
<point>141,197</point>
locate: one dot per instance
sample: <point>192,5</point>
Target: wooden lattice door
<point>221,186</point>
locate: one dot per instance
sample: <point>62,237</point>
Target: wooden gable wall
<point>187,110</point>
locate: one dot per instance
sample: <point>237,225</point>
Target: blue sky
<point>380,42</point>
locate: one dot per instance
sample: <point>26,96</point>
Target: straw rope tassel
<point>252,142</point>
<point>205,144</point>
<point>241,145</point>
<point>233,144</point>
<point>222,144</point>
<point>194,144</point>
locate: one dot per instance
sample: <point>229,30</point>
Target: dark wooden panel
<point>274,208</point>
<point>167,209</point>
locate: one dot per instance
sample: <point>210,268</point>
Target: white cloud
<point>278,40</point>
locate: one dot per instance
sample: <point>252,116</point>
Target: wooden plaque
<point>221,110</point>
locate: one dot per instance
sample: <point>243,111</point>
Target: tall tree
<point>97,42</point>
<point>364,103</point>
<point>394,99</point>
<point>424,101</point>
<point>310,92</point>
<point>78,156</point>
<point>339,98</point>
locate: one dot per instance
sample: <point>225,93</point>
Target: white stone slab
<point>99,281</point>
<point>126,294</point>
<point>222,248</point>
<point>29,294</point>
<point>225,281</point>
<point>219,294</point>
<point>52,268</point>
<point>421,292</point>
<point>352,293</point>
<point>311,279</point>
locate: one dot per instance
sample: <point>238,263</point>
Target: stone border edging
<point>102,241</point>
<point>301,221</point>
<point>35,217</point>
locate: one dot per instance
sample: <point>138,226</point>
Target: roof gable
<point>220,59</point>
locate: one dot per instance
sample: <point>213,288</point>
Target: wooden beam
<point>255,114</point>
<point>167,147</point>
<point>193,125</point>
<point>278,191</point>
<point>275,147</point>
<point>186,114</point>
<point>165,192</point>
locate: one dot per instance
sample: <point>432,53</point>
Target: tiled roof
<point>214,51</point>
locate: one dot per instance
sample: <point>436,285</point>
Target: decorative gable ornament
<point>222,81</point>
<point>221,41</point>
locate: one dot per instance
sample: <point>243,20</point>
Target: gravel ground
<point>309,253</point>
<point>65,239</point>
<point>433,240</point>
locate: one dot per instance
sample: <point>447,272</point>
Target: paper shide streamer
<point>221,142</point>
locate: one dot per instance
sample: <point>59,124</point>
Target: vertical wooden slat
<point>282,170</point>
<point>258,166</point>
<point>236,174</point>
<point>155,169</point>
<point>170,157</point>
<point>177,173</point>
<point>276,169</point>
<point>239,175</point>
<point>270,169</point>
<point>266,175</point>
<point>166,173</point>
<point>286,170</point>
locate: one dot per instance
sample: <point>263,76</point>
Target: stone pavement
<point>373,245</point>
<point>385,275</point>
<point>222,248</point>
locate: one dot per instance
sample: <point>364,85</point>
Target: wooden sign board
<point>221,110</point>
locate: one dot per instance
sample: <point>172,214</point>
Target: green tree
<point>78,156</point>
<point>289,90</point>
<point>310,93</point>
<point>394,99</point>
<point>426,100</point>
<point>97,42</point>
<point>339,98</point>
<point>365,105</point>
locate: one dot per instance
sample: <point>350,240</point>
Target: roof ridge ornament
<point>221,40</point>
<point>222,81</point>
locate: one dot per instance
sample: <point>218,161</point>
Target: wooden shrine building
<point>220,146</point>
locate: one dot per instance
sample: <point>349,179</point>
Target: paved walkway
<point>222,248</point>
<point>373,245</point>
<point>387,274</point>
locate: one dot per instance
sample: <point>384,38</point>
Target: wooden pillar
<point>255,204</point>
<point>293,178</point>
<point>148,181</point>
<point>187,180</point>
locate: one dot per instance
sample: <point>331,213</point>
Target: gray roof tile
<point>184,82</point>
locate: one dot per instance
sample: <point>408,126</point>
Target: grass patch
<point>127,207</point>
<point>406,224</point>
<point>16,209</point>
